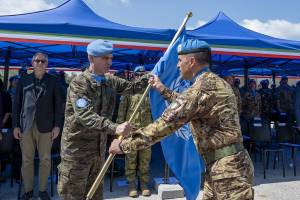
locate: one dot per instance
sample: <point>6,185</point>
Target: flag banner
<point>179,149</point>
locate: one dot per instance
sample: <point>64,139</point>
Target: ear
<point>91,59</point>
<point>192,61</point>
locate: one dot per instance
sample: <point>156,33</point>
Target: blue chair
<point>286,136</point>
<point>260,133</point>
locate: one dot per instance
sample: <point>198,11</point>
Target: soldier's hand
<point>115,147</point>
<point>0,136</point>
<point>123,129</point>
<point>55,132</point>
<point>155,82</point>
<point>17,133</point>
<point>298,128</point>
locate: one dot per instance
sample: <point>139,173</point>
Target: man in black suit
<point>37,117</point>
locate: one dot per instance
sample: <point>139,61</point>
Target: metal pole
<point>246,74</point>
<point>6,67</point>
<point>111,156</point>
<point>273,78</point>
<point>167,173</point>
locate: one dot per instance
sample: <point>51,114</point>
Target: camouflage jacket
<point>251,105</point>
<point>266,102</point>
<point>284,98</point>
<point>209,106</point>
<point>237,94</point>
<point>88,113</point>
<point>126,108</point>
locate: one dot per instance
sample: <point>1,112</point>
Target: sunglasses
<point>40,61</point>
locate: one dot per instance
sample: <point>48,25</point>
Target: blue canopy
<point>64,31</point>
<point>235,47</point>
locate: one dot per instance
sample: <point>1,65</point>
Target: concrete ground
<point>274,187</point>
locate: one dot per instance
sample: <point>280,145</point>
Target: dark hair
<point>203,57</point>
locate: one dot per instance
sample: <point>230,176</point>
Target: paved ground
<point>274,187</point>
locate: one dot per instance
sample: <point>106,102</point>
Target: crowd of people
<point>40,108</point>
<point>267,103</point>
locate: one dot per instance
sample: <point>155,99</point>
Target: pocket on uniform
<point>63,180</point>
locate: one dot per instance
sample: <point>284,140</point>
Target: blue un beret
<point>100,48</point>
<point>193,46</point>
<point>139,69</point>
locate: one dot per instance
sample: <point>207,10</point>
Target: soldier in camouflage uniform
<point>251,102</point>
<point>89,109</point>
<point>137,162</point>
<point>228,76</point>
<point>284,99</point>
<point>266,100</point>
<point>210,107</point>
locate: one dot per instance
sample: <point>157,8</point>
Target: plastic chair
<point>260,132</point>
<point>286,135</point>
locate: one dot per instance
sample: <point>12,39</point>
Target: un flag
<point>179,149</point>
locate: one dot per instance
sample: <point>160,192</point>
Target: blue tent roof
<point>75,18</point>
<point>235,47</point>
<point>64,31</point>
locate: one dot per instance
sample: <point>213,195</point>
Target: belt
<point>217,154</point>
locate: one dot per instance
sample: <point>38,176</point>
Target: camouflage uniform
<point>88,113</point>
<point>210,107</point>
<point>237,94</point>
<point>266,102</point>
<point>136,160</point>
<point>284,98</point>
<point>251,105</point>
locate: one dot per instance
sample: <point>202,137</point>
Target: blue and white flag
<point>179,149</point>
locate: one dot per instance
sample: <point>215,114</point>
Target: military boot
<point>145,190</point>
<point>27,196</point>
<point>132,191</point>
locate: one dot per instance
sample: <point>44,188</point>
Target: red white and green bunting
<point>80,40</point>
<point>141,44</point>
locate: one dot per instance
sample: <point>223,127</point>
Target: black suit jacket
<point>43,105</point>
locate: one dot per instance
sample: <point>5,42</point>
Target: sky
<point>278,18</point>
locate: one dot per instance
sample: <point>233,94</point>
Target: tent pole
<point>6,67</point>
<point>273,77</point>
<point>246,74</point>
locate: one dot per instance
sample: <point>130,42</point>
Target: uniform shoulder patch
<point>81,103</point>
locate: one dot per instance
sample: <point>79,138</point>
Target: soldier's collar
<point>203,70</point>
<point>91,77</point>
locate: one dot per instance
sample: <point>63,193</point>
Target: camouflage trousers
<point>76,178</point>
<point>138,162</point>
<point>230,177</point>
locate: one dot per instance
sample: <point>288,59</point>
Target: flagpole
<point>111,156</point>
